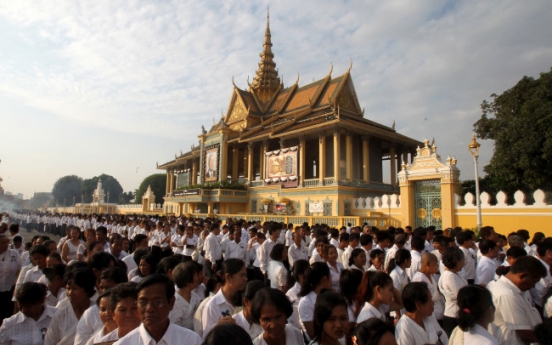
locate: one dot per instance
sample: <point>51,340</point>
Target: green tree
<point>109,184</point>
<point>126,197</point>
<point>157,183</point>
<point>520,123</point>
<point>66,188</point>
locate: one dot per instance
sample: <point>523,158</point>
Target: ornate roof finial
<point>266,81</point>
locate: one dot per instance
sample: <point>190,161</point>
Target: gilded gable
<point>346,99</point>
<point>239,111</point>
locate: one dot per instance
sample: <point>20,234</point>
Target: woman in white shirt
<point>397,268</point>
<point>418,326</point>
<point>277,272</point>
<point>271,309</point>
<point>331,321</point>
<point>379,296</point>
<point>426,274</point>
<point>189,241</point>
<point>71,246</point>
<point>476,312</point>
<point>330,256</point>
<point>317,277</point>
<point>357,260</point>
<point>176,240</point>
<point>298,273</point>
<point>449,285</point>
<point>106,316</point>
<point>349,285</point>
<point>244,319</point>
<point>124,310</point>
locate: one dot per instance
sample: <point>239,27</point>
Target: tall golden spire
<point>266,81</point>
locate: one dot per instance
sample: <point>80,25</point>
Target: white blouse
<point>368,311</point>
<point>449,285</point>
<point>277,274</point>
<point>335,275</point>
<point>408,332</point>
<point>438,299</point>
<point>293,337</point>
<point>477,335</point>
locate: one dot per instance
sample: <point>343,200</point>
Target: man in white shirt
<point>486,268</point>
<point>400,240</point>
<point>274,233</point>
<point>354,240</point>
<point>544,254</point>
<point>235,248</point>
<point>10,266</point>
<point>465,241</point>
<point>297,251</point>
<point>213,253</point>
<point>155,302</point>
<point>418,246</point>
<point>514,315</point>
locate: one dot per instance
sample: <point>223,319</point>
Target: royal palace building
<point>296,150</point>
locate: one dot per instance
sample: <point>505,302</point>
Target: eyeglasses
<point>156,303</point>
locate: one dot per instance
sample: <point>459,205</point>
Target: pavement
<point>27,236</point>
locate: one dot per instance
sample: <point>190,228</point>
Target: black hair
<point>39,249</point>
<point>231,266</point>
<point>84,278</point>
<point>382,236</point>
<point>273,297</point>
<point>57,270</point>
<point>123,291</point>
<point>544,246</point>
<point>486,245</point>
<point>299,268</point>
<point>167,263</point>
<point>400,258</point>
<point>325,303</point>
<point>354,254</point>
<point>370,280</point>
<point>473,303</point>
<point>353,236</point>
<point>344,237</point>
<point>530,265</point>
<point>277,252</point>
<point>366,239</point>
<point>138,254</point>
<point>463,237</point>
<point>334,233</point>
<point>101,229</point>
<point>227,333</point>
<point>375,253</point>
<point>452,256</point>
<point>30,293</point>
<point>543,332</point>
<point>349,281</point>
<point>313,275</point>
<point>139,238</point>
<point>523,234</point>
<point>105,294</point>
<point>413,293</point>
<point>485,232</point>
<point>152,260</point>
<point>211,284</point>
<point>417,243</point>
<point>115,274</point>
<point>157,278</point>
<point>252,288</point>
<point>369,332</point>
<point>537,237</point>
<point>101,260</point>
<point>184,273</point>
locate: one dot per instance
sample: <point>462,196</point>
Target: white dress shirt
<point>486,270</point>
<point>513,311</point>
<point>277,274</point>
<point>438,299</point>
<point>253,329</point>
<point>408,332</point>
<point>390,255</point>
<point>190,241</point>
<point>88,324</point>
<point>264,257</point>
<point>63,327</point>
<point>470,261</point>
<point>182,313</point>
<point>306,310</point>
<point>335,274</point>
<point>293,337</point>
<point>22,330</point>
<point>10,264</point>
<point>217,308</point>
<point>212,248</point>
<point>368,311</point>
<point>476,335</point>
<point>449,285</point>
<point>415,265</point>
<point>346,255</point>
<point>542,286</point>
<point>296,253</point>
<point>293,296</point>
<point>236,250</point>
<point>174,335</point>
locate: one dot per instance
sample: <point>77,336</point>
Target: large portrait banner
<point>281,167</point>
<point>211,163</point>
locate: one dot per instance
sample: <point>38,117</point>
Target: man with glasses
<point>155,302</point>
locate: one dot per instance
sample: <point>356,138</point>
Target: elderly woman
<point>418,326</point>
<point>124,311</point>
<point>30,324</point>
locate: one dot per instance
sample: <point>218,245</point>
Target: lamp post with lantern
<point>474,150</point>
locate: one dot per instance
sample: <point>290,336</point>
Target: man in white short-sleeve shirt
<point>514,315</point>
<point>297,251</point>
<point>155,302</point>
<point>486,268</point>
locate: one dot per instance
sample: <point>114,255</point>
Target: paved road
<point>27,236</point>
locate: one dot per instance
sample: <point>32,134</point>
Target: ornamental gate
<point>427,201</point>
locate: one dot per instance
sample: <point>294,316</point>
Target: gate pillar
<point>422,206</point>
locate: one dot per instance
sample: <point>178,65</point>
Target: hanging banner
<point>316,207</point>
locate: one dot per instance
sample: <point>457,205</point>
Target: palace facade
<point>295,150</point>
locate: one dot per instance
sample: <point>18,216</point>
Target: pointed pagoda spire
<point>266,80</point>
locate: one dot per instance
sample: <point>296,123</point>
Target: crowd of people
<point>142,279</point>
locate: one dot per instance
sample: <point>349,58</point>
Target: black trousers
<point>207,267</point>
<point>7,305</point>
<point>449,324</point>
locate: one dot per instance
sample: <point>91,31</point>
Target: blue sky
<point>91,87</point>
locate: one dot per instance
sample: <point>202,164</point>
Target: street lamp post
<point>474,150</point>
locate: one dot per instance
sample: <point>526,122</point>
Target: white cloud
<point>164,68</point>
